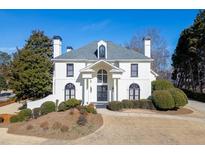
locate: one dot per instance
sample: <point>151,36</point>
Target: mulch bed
<point>58,125</point>
<point>4,103</point>
<point>180,111</point>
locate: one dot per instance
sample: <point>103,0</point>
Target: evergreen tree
<point>31,69</point>
<point>189,57</point>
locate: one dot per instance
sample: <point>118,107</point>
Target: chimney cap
<point>147,38</point>
<point>69,47</point>
<point>55,37</point>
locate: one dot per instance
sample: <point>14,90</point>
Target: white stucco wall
<point>143,80</point>
<point>60,80</point>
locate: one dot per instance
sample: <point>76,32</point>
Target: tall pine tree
<point>31,68</point>
<point>189,57</point>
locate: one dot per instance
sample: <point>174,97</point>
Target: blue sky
<point>78,27</point>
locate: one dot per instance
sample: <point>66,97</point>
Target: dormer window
<point>102,52</point>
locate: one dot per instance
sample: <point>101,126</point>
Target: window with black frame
<point>69,91</point>
<point>70,70</point>
<point>134,70</point>
<point>134,92</point>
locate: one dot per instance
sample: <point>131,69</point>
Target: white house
<point>99,72</point>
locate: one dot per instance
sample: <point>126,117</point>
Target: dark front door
<point>102,93</point>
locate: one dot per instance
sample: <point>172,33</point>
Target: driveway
<point>197,105</point>
<point>10,109</point>
<point>132,128</point>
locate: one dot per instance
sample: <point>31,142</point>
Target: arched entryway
<point>69,91</point>
<point>134,92</point>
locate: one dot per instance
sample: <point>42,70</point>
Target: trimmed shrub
<point>115,105</point>
<point>143,104</point>
<point>47,107</point>
<point>66,105</point>
<point>146,104</point>
<point>14,119</point>
<point>71,103</point>
<point>82,120</point>
<point>194,95</point>
<point>179,97</point>
<point>163,99</point>
<point>62,107</point>
<point>161,85</point>
<point>91,109</point>
<point>127,104</point>
<point>25,114</point>
<point>36,112</point>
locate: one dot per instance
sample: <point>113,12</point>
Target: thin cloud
<point>96,26</point>
<point>8,49</point>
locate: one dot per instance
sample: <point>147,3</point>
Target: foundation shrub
<point>180,98</point>
<point>24,114</point>
<point>115,105</point>
<point>47,107</point>
<point>163,100</point>
<point>91,109</point>
<point>161,85</point>
<point>36,112</point>
<point>66,105</point>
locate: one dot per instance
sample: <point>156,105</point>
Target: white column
<point>110,95</point>
<point>85,92</point>
<point>115,89</point>
<point>88,91</point>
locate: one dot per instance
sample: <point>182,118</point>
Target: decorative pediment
<point>113,69</point>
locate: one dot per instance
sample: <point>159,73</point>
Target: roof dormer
<point>102,50</point>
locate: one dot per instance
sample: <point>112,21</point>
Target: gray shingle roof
<point>89,52</point>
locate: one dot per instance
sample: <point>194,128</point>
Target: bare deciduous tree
<point>159,51</point>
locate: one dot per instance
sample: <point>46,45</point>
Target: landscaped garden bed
<point>70,124</point>
<point>165,99</point>
<point>68,120</point>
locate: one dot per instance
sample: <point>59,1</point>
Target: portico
<point>100,82</point>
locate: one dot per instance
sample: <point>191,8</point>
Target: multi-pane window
<point>134,92</point>
<point>134,70</point>
<point>70,70</point>
<point>69,91</point>
<point>102,76</point>
<point>102,52</point>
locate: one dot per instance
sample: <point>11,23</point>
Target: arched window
<point>102,52</point>
<point>69,91</point>
<point>134,92</point>
<point>102,76</point>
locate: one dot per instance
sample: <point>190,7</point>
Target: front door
<point>102,93</point>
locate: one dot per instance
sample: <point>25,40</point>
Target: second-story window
<point>134,70</point>
<point>70,70</point>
